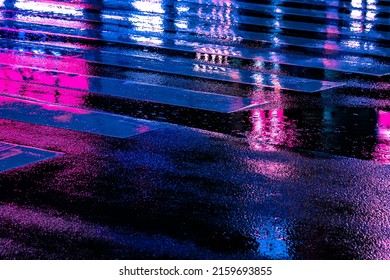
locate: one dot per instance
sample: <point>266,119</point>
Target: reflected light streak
<point>270,127</point>
<point>147,23</point>
<point>356,27</point>
<point>225,18</point>
<point>368,27</point>
<point>34,84</point>
<point>39,59</point>
<point>370,15</point>
<point>147,40</point>
<point>149,6</point>
<point>115,17</point>
<point>271,235</point>
<point>276,83</point>
<point>353,44</point>
<point>47,7</point>
<point>181,24</point>
<point>382,149</point>
<point>52,22</point>
<point>331,63</point>
<point>330,45</point>
<point>356,14</point>
<point>43,93</point>
<point>182,9</point>
<point>356,3</point>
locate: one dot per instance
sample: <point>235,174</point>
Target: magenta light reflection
<point>49,6</point>
<point>382,149</point>
<point>20,77</point>
<point>271,128</point>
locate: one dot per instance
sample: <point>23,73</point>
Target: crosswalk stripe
<point>74,118</point>
<point>15,156</point>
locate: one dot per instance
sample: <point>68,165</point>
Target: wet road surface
<point>194,129</point>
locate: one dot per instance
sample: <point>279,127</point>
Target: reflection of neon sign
<point>382,149</point>
<point>148,6</point>
<point>47,8</point>
<point>270,127</point>
<point>20,76</point>
<point>43,6</point>
<point>222,13</point>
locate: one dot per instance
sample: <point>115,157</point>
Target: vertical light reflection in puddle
<point>43,85</point>
<point>215,58</point>
<point>27,73</point>
<point>271,235</point>
<point>149,22</point>
<point>363,15</point>
<point>221,19</point>
<point>382,149</point>
<point>271,128</point>
<point>278,16</point>
<point>46,6</point>
<point>149,6</point>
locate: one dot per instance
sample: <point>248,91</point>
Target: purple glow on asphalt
<point>71,64</point>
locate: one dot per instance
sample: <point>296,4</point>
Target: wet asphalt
<point>194,129</point>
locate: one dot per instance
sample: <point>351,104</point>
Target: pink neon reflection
<point>270,127</point>
<point>72,65</point>
<point>42,93</point>
<point>64,8</point>
<point>53,22</point>
<point>332,32</point>
<point>44,85</point>
<point>382,149</point>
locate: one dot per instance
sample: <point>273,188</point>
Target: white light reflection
<point>48,7</point>
<point>149,6</point>
<point>271,127</point>
<point>114,17</point>
<point>148,40</point>
<point>356,14</point>
<point>353,44</point>
<point>182,9</point>
<point>215,58</point>
<point>368,27</point>
<point>52,21</point>
<point>370,15</point>
<point>356,27</point>
<point>181,24</point>
<point>148,22</point>
<point>382,149</point>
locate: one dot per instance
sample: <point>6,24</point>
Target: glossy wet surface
<point>194,129</point>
